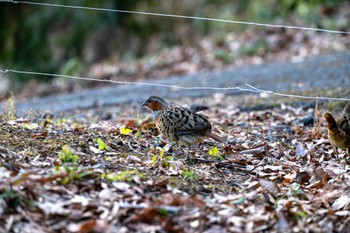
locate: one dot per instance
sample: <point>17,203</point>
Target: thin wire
<point>254,89</point>
<point>116,82</point>
<point>250,89</point>
<point>180,16</point>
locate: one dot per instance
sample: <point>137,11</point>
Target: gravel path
<point>322,71</point>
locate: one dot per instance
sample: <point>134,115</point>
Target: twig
<point>254,151</point>
<point>137,152</point>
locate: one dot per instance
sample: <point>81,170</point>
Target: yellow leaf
<point>125,131</point>
<point>213,151</point>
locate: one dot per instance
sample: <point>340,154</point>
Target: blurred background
<point>133,47</point>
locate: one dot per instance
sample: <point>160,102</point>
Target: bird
<point>179,124</point>
<point>339,129</point>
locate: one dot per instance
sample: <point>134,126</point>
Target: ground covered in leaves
<point>82,173</point>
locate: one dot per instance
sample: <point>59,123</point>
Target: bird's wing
<point>344,124</point>
<point>185,121</point>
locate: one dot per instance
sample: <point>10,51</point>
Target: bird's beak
<point>145,103</point>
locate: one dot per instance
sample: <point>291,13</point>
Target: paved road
<point>321,71</point>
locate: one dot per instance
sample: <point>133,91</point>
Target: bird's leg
<point>336,152</point>
<point>168,146</point>
<point>188,151</point>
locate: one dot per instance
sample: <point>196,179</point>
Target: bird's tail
<point>216,137</point>
<point>332,124</point>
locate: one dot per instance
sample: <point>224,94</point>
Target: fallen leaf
<point>105,194</point>
<point>301,151</point>
<point>133,159</point>
<point>341,202</point>
<point>121,186</point>
<point>125,131</point>
<point>269,186</point>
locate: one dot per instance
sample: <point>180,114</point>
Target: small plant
<point>102,145</point>
<point>66,156</point>
<point>73,172</point>
<point>9,110</point>
<point>12,198</point>
<point>259,47</point>
<point>161,154</point>
<point>296,189</point>
<point>138,134</point>
<point>154,160</point>
<point>161,158</point>
<point>189,175</point>
<point>215,153</point>
<point>212,187</point>
<point>224,56</point>
<point>121,176</point>
<point>301,214</point>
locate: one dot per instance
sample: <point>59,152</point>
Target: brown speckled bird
<point>180,124</point>
<point>339,129</point>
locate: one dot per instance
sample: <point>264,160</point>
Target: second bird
<point>339,129</point>
<point>180,124</point>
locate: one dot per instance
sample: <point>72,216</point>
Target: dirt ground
<point>106,170</point>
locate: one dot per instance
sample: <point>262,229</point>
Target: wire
<point>249,89</point>
<point>180,16</point>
